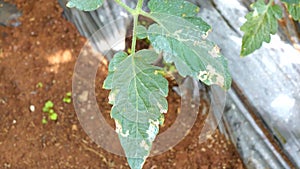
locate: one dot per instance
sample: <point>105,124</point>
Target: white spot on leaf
<point>152,130</point>
<point>112,96</point>
<point>214,74</point>
<point>204,36</point>
<point>119,129</point>
<point>211,76</point>
<point>215,52</point>
<point>178,32</point>
<point>144,145</point>
<point>203,75</point>
<point>161,109</point>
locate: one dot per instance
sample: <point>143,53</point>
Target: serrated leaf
<point>138,96</point>
<point>118,58</point>
<point>174,7</point>
<point>163,10</point>
<point>260,24</point>
<point>85,5</point>
<point>182,38</point>
<point>294,10</point>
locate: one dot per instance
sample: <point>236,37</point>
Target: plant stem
<point>138,10</point>
<point>133,43</point>
<point>135,12</point>
<point>139,4</point>
<point>126,7</point>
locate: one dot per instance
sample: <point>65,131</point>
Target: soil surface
<point>36,65</point>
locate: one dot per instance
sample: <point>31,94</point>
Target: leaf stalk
<point>126,7</point>
<point>135,12</point>
<point>138,10</point>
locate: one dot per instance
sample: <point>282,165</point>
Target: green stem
<point>133,44</point>
<point>126,7</point>
<point>139,4</point>
<point>138,10</point>
<point>135,12</point>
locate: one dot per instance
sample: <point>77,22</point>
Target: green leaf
<point>138,97</point>
<point>182,39</point>
<point>53,116</point>
<point>49,104</point>
<point>141,32</point>
<point>174,7</point>
<point>291,1</point>
<point>294,10</point>
<point>118,58</point>
<point>67,100</point>
<point>45,109</point>
<point>85,5</point>
<point>175,13</point>
<point>69,94</point>
<point>260,24</point>
<point>44,120</point>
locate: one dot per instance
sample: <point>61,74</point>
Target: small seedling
<point>48,108</point>
<point>39,85</point>
<point>44,120</point>
<point>67,98</point>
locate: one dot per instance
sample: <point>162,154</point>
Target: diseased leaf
<point>138,96</point>
<point>181,36</point>
<point>85,5</point>
<point>174,7</point>
<point>163,10</point>
<point>260,24</point>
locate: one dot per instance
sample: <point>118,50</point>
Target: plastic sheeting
<point>9,14</point>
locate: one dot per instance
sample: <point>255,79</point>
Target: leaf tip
<point>136,163</point>
<point>70,4</point>
<point>242,55</point>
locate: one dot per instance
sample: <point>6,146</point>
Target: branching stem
<point>135,12</point>
<point>138,10</point>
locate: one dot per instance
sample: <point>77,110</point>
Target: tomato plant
<point>138,92</point>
